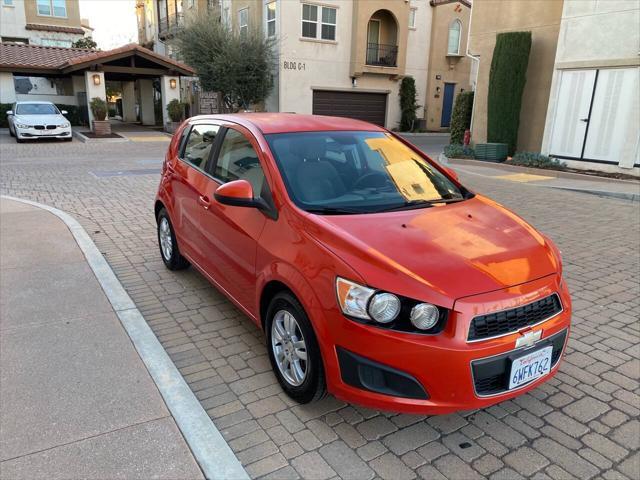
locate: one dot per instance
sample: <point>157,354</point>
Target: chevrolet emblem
<point>528,338</point>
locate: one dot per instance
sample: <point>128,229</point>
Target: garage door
<point>370,107</point>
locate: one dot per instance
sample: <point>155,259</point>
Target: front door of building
<point>447,104</point>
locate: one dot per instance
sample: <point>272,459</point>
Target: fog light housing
<point>384,307</point>
<point>424,316</point>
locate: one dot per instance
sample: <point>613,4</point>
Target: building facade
<point>449,65</point>
<point>50,23</point>
<point>593,115</point>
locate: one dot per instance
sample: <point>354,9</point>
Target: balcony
<point>168,26</point>
<point>380,55</point>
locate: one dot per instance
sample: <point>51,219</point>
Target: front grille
<point>491,375</point>
<point>507,321</point>
<point>39,127</point>
<point>51,127</point>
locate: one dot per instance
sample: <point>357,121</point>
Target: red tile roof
<point>21,57</point>
<point>54,28</point>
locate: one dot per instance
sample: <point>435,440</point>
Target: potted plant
<point>101,125</point>
<point>175,109</point>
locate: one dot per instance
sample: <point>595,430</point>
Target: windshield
<point>36,109</point>
<point>357,172</point>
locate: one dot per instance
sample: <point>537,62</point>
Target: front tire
<point>293,349</point>
<point>168,244</point>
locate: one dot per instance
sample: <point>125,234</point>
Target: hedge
<point>408,104</point>
<point>461,116</point>
<point>536,160</point>
<point>73,113</point>
<point>507,78</point>
<point>459,151</point>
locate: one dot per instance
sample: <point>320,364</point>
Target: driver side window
<point>238,160</point>
<point>198,145</point>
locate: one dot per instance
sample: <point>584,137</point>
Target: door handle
<point>584,120</point>
<point>204,202</point>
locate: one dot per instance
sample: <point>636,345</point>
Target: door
<point>447,104</point>
<point>231,233</point>
<point>366,106</point>
<point>572,113</point>
<point>189,183</point>
<point>373,42</point>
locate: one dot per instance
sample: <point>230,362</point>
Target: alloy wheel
<point>289,348</point>
<point>166,242</point>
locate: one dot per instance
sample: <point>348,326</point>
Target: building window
<point>412,18</point>
<point>453,47</point>
<point>243,22</point>
<point>52,8</point>
<point>7,3</point>
<point>327,29</point>
<point>271,19</point>
<point>54,42</point>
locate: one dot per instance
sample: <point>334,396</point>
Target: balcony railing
<point>382,55</point>
<point>169,25</point>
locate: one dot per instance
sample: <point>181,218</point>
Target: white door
<point>615,117</point>
<point>572,113</point>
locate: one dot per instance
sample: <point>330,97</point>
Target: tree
<point>85,42</point>
<point>239,67</point>
<point>507,78</point>
<point>461,116</point>
<point>408,104</point>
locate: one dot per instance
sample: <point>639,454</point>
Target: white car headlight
<point>353,298</point>
<point>64,125</point>
<point>424,316</point>
<point>21,125</point>
<point>384,307</point>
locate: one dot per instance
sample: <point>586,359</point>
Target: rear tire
<point>299,369</point>
<point>168,244</point>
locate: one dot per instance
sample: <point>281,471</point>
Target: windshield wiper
<point>447,200</point>
<point>333,211</point>
<point>410,205</point>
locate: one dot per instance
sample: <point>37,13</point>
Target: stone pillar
<point>147,114</point>
<point>128,102</point>
<point>7,88</point>
<point>169,93</point>
<point>95,87</point>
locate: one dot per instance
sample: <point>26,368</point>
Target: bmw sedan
<point>34,120</point>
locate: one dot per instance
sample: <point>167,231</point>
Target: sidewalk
<point>76,400</point>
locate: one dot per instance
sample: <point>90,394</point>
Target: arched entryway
<point>382,39</point>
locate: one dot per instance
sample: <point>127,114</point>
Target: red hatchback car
<point>374,273</point>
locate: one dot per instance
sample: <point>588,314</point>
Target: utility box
<point>491,152</point>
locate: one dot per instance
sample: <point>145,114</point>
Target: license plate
<point>530,366</point>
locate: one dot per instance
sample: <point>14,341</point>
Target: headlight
<point>21,125</point>
<point>353,298</point>
<point>64,125</point>
<point>384,307</point>
<point>424,316</point>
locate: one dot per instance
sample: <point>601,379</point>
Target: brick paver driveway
<point>583,423</point>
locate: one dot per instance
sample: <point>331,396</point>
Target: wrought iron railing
<point>168,25</point>
<point>382,55</point>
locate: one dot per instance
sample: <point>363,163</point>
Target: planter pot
<point>102,127</point>
<point>171,127</point>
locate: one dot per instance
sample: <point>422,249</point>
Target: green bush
<point>175,109</point>
<point>507,78</point>
<point>536,160</point>
<point>4,108</point>
<point>98,108</point>
<point>459,151</point>
<point>461,116</point>
<point>408,104</point>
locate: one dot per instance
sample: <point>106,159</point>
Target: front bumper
<point>33,134</point>
<point>442,365</point>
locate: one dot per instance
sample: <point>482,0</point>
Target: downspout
<point>475,59</point>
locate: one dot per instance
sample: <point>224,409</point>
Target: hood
<point>441,253</point>
<point>40,119</point>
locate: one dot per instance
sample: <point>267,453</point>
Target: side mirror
<point>9,112</point>
<point>63,112</point>
<point>238,193</point>
<point>452,173</point>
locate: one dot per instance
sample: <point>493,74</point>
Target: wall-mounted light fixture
<point>172,83</point>
<point>437,89</point>
<point>96,79</point>
<point>354,82</point>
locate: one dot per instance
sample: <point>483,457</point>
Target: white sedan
<point>33,120</point>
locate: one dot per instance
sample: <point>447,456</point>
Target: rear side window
<point>238,160</point>
<point>198,145</point>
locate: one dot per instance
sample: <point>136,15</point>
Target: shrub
<point>507,78</point>
<point>461,116</point>
<point>74,115</point>
<point>175,109</point>
<point>408,104</point>
<point>98,108</point>
<point>4,108</point>
<point>536,160</point>
<point>459,151</point>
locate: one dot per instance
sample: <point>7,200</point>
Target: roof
<point>36,58</point>
<point>54,28</point>
<point>292,122</point>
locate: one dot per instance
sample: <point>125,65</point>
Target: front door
<point>447,104</point>
<point>231,233</point>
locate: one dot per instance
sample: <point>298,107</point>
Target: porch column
<point>95,87</point>
<point>147,114</point>
<point>7,88</point>
<point>170,89</point>
<point>128,102</point>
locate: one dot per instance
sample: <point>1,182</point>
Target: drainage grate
<point>125,173</point>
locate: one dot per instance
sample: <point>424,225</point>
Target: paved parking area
<point>581,424</point>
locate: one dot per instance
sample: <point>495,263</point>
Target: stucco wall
<point>490,17</point>
<point>12,20</point>
<point>71,20</point>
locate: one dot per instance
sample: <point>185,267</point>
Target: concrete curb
<point>211,451</point>
<point>85,139</point>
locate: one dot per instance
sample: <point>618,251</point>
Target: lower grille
<point>509,321</point>
<point>491,375</point>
